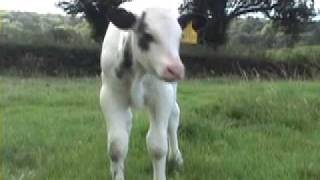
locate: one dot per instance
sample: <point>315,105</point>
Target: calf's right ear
<point>122,18</point>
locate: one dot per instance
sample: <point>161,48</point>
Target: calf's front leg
<point>160,107</point>
<point>118,117</point>
<point>174,151</point>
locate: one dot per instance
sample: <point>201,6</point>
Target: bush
<point>49,59</point>
<point>310,54</point>
<point>57,60</point>
<point>251,62</point>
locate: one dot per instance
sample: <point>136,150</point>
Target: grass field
<point>230,130</point>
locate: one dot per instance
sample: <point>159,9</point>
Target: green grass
<point>230,130</point>
<point>1,128</point>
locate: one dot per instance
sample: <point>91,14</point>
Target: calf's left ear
<point>122,18</point>
<point>198,21</point>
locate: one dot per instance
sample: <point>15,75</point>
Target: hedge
<point>57,60</point>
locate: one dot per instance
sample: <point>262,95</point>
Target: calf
<point>140,66</point>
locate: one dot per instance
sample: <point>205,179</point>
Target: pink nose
<point>173,72</point>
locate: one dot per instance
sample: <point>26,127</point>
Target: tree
<point>292,18</point>
<point>94,11</point>
<point>287,13</point>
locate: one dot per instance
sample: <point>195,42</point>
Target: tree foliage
<point>288,14</point>
<point>31,28</point>
<point>291,18</point>
<point>95,12</point>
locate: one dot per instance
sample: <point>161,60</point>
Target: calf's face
<point>156,40</point>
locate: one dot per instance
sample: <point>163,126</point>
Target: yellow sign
<point>189,35</point>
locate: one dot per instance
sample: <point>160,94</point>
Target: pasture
<point>230,129</point>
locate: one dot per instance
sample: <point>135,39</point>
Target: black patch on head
<point>121,18</point>
<point>127,60</point>
<point>144,38</point>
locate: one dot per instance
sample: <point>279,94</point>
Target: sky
<point>39,6</point>
<point>48,6</point>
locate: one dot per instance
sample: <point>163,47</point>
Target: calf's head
<point>156,35</point>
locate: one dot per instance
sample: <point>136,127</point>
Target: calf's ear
<point>198,21</point>
<point>122,18</point>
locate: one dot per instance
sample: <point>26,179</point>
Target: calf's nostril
<point>171,70</point>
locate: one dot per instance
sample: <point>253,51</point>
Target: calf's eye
<point>145,40</point>
<point>148,37</point>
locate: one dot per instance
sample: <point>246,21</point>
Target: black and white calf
<point>140,66</point>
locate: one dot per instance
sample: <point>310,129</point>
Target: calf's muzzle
<point>173,71</point>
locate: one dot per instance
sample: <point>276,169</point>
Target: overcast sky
<point>48,6</point>
<point>39,6</point>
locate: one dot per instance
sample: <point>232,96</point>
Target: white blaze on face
<point>162,56</point>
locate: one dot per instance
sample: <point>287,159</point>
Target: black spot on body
<point>127,56</point>
<point>126,60</point>
<point>114,175</point>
